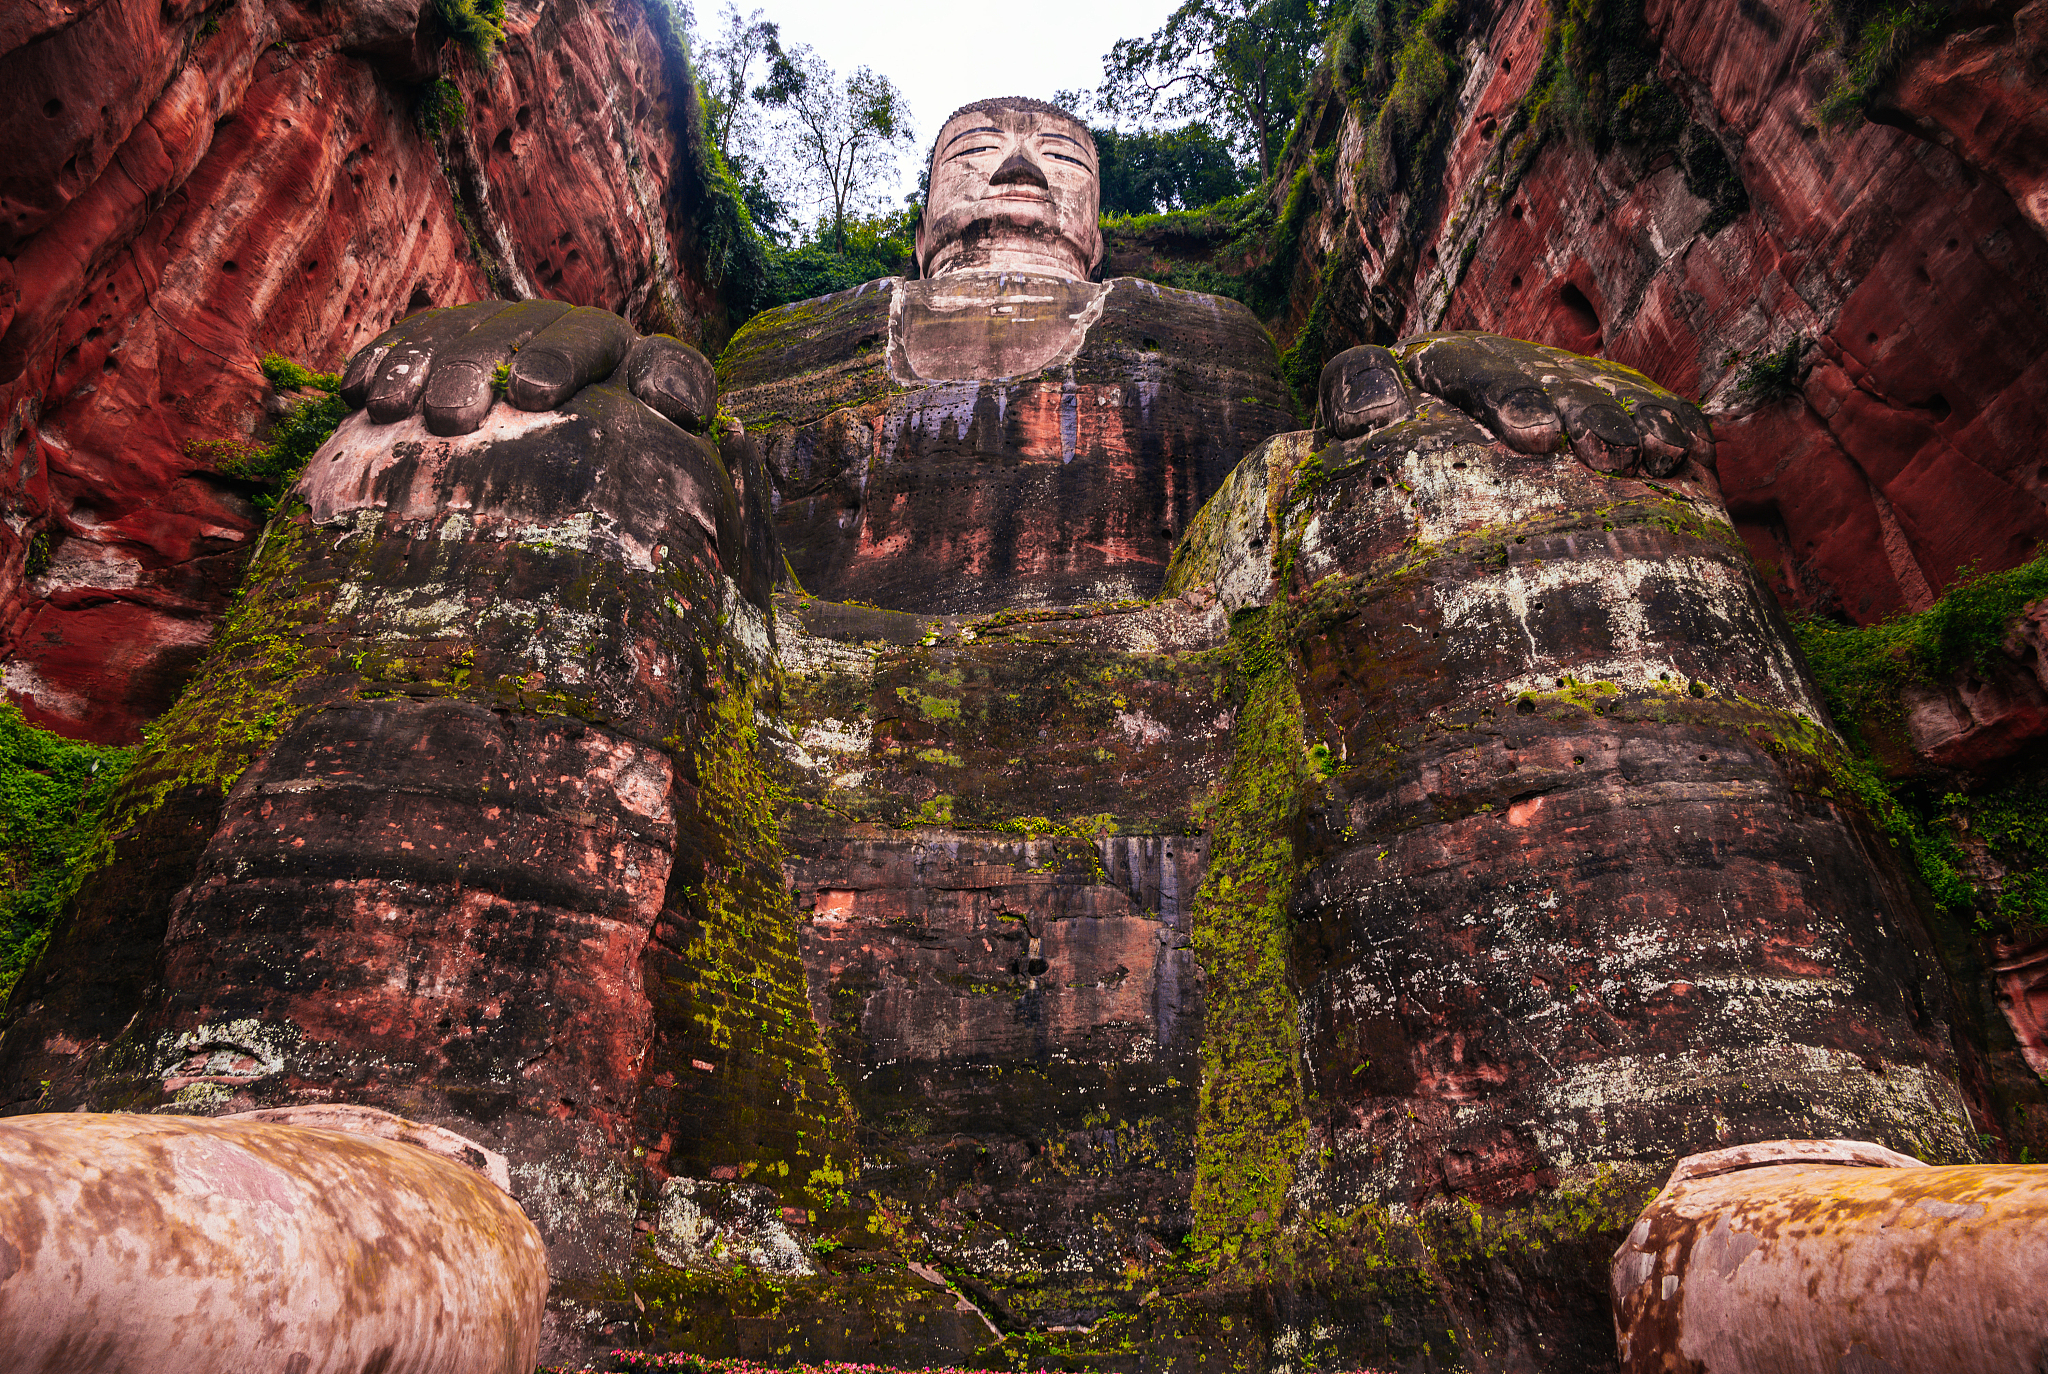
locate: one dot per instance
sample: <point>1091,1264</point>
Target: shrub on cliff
<point>298,433</point>
<point>53,792</point>
<point>478,25</point>
<point>1873,38</point>
<point>1865,673</point>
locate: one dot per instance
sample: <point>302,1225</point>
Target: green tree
<point>845,135</point>
<point>742,49</point>
<point>1237,64</point>
<point>1166,169</point>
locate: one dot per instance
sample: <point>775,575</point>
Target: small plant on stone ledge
<point>1776,376</point>
<point>440,108</point>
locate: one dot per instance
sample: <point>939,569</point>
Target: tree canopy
<point>1237,65</point>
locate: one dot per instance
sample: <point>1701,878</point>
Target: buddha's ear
<point>916,247</point>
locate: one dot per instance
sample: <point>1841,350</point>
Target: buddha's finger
<point>1603,435</point>
<point>1362,390</point>
<point>459,386</point>
<point>674,379</point>
<point>586,345</point>
<point>1494,389</point>
<point>402,374</point>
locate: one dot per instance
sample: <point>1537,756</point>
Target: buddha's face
<point>1012,190</point>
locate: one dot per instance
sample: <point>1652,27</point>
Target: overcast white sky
<point>943,53</point>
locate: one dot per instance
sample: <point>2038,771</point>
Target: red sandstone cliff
<point>186,188</point>
<point>1911,258</point>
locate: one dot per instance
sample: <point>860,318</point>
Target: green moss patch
<point>1864,673</point>
<point>1250,1124</point>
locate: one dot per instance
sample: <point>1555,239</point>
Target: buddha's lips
<point>1034,197</point>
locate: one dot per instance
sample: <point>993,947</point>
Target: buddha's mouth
<point>1029,193</point>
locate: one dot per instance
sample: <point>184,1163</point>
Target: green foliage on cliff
<point>1873,38</point>
<point>478,25</point>
<point>53,794</point>
<point>1777,375</point>
<point>1599,84</point>
<point>1864,673</point>
<point>298,433</point>
<point>1394,62</point>
<point>441,107</point>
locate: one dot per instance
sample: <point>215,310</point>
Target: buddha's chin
<point>1004,243</point>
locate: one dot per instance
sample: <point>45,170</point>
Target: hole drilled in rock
<point>53,107</point>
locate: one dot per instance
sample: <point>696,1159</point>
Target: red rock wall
<point>1911,451</point>
<point>187,189</point>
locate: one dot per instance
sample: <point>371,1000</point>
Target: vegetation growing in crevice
<point>478,25</point>
<point>1777,375</point>
<point>53,796</point>
<point>440,107</point>
<point>305,425</point>
<point>1598,83</point>
<point>1865,673</point>
<point>1873,39</point>
<point>1394,63</point>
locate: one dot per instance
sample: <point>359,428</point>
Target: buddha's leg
<point>1581,888</point>
<point>460,827</point>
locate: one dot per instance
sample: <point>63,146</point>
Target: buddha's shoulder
<point>1154,317</point>
<point>799,361</point>
<point>824,333</point>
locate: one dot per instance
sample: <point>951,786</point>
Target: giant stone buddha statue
<point>1017,798</point>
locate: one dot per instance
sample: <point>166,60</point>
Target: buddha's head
<point>1014,188</point>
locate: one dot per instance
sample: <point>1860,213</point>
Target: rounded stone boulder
<point>1818,1256</point>
<point>181,1245</point>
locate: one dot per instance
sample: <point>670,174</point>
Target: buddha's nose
<point>1018,169</point>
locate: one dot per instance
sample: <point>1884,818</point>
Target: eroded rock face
<point>1905,450</point>
<point>189,1245</point>
<point>929,459</point>
<point>197,187</point>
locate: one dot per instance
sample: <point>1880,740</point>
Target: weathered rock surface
<point>1723,228</point>
<point>999,943</point>
<point>172,1244</point>
<point>1576,891</point>
<point>193,187</point>
<point>1318,960</point>
<point>1057,472</point>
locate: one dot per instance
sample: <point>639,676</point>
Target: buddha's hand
<point>1533,398</point>
<point>450,365</point>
